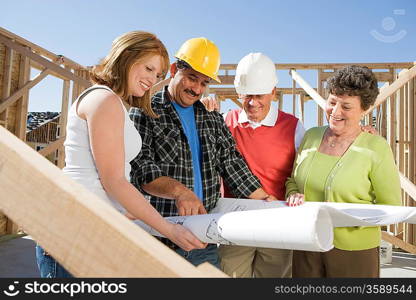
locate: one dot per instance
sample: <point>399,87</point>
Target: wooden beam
<point>400,161</point>
<point>380,76</point>
<point>7,81</point>
<point>24,89</point>
<point>302,107</point>
<point>398,242</point>
<point>53,146</point>
<point>392,88</point>
<point>308,89</point>
<point>23,103</point>
<point>294,97</point>
<point>227,92</point>
<point>320,113</point>
<point>40,67</point>
<point>21,119</point>
<point>66,61</point>
<point>383,116</point>
<point>6,89</point>
<point>280,99</point>
<point>225,80</point>
<point>75,88</point>
<point>412,132</point>
<point>85,234</point>
<point>63,121</point>
<point>43,61</point>
<point>211,271</point>
<point>393,122</point>
<point>408,186</point>
<point>330,66</point>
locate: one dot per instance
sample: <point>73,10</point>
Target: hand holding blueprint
<point>309,227</point>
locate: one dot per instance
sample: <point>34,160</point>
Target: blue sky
<point>287,31</point>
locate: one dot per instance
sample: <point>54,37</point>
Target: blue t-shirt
<point>187,117</point>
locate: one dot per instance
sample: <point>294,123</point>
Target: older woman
<point>340,163</point>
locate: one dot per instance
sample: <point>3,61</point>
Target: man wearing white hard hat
<point>267,138</point>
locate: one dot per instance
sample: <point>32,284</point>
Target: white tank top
<point>80,164</point>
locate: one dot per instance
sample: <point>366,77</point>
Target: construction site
<point>39,202</point>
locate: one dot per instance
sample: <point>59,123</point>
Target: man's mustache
<point>193,94</point>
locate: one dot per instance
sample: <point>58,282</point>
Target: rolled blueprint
<point>309,227</point>
<point>298,228</point>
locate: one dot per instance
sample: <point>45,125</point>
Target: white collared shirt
<point>270,120</point>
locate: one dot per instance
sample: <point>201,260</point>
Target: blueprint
<point>309,227</point>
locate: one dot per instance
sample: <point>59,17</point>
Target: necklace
<point>349,140</point>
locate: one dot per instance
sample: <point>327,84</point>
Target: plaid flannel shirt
<point>165,152</point>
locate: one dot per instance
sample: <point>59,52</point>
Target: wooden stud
<point>393,122</point>
<point>404,77</point>
<point>7,81</point>
<point>293,95</point>
<point>6,87</point>
<point>75,91</point>
<point>398,242</point>
<point>401,130</point>
<point>280,95</point>
<point>383,127</point>
<point>24,89</point>
<point>20,120</point>
<point>320,117</point>
<point>22,105</point>
<point>63,121</point>
<point>302,107</point>
<point>314,94</point>
<point>52,146</point>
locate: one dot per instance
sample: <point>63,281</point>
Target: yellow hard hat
<point>202,55</point>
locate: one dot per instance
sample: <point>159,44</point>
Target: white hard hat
<point>255,75</point>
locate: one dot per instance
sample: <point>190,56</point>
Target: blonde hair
<point>126,50</point>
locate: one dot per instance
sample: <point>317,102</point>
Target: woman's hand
<point>295,199</point>
<point>184,238</point>
<point>210,103</point>
<point>369,129</point>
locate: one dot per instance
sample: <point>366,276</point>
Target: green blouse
<point>366,174</point>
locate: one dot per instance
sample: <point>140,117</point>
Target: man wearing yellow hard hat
<point>187,149</point>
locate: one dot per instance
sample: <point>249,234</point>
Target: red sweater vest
<point>268,151</point>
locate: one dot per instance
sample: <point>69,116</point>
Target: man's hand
<point>210,103</point>
<point>260,194</point>
<point>370,129</point>
<point>189,204</point>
